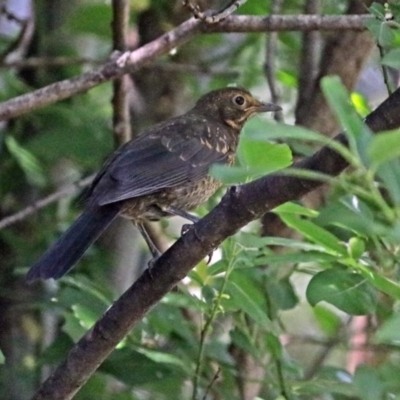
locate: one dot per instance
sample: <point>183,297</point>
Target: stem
<point>209,321</point>
<point>385,71</point>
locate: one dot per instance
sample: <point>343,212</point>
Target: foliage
<point>260,294</point>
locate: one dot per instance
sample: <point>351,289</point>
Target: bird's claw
<point>151,264</point>
<point>186,228</point>
<point>210,255</point>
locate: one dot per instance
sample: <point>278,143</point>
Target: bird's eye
<point>239,100</point>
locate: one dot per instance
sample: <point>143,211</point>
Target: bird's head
<point>232,106</point>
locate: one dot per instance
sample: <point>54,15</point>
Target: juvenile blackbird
<point>161,172</point>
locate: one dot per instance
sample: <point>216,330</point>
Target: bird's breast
<point>183,197</point>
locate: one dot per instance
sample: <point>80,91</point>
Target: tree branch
<point>130,61</point>
<point>239,206</point>
<point>32,208</point>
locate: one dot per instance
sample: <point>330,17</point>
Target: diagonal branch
<point>133,60</point>
<point>238,207</point>
<point>44,202</point>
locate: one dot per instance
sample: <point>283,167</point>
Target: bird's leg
<point>156,253</point>
<point>183,214</point>
<point>187,227</point>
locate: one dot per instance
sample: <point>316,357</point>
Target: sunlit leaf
<point>27,161</point>
<point>348,291</point>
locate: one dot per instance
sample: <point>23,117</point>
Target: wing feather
<point>169,155</point>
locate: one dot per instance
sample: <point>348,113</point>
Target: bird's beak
<point>266,107</point>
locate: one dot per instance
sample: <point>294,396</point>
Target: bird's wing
<point>173,153</point>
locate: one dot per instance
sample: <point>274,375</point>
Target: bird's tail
<point>70,247</point>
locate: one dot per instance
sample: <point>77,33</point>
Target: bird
<point>162,172</point>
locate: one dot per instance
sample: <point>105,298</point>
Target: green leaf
<point>257,158</point>
<point>243,340</point>
<point>2,358</point>
<point>368,383</point>
<point>282,294</point>
<point>296,258</point>
<point>183,300</point>
<point>243,296</point>
<point>356,247</point>
<point>262,154</point>
<point>360,104</point>
<point>276,131</point>
<point>162,358</point>
<point>328,321</point>
<point>377,9</point>
<point>348,291</point>
<point>382,283</point>
<point>134,368</point>
<point>314,233</point>
<point>251,241</point>
<point>339,100</point>
<point>271,130</point>
<point>384,147</point>
<point>381,31</point>
<point>297,209</point>
<point>389,331</point>
<point>234,175</point>
<point>389,173</point>
<point>92,18</point>
<point>392,58</point>
<point>27,161</point>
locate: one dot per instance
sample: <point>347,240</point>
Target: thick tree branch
<point>130,61</point>
<point>238,207</point>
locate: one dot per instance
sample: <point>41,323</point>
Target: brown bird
<point>160,173</point>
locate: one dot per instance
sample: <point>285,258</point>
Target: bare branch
<point>38,62</point>
<point>212,17</point>
<point>114,68</point>
<point>134,60</point>
<point>33,208</point>
<point>11,16</point>
<point>239,206</point>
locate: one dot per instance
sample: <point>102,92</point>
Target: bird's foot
<point>186,228</point>
<point>151,264</point>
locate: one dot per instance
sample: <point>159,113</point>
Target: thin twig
<point>33,208</point>
<point>133,60</point>
<point>385,72</point>
<point>213,313</point>
<point>38,62</point>
<point>11,16</point>
<point>214,378</point>
<point>212,17</point>
<point>320,358</point>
